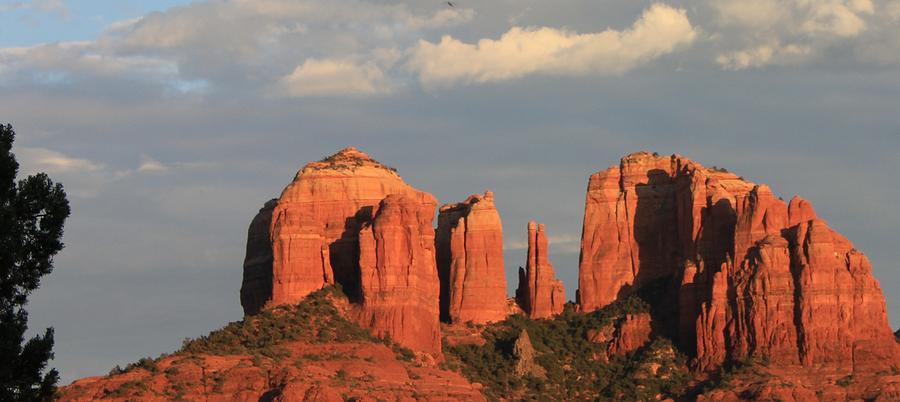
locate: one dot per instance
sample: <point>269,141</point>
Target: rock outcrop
<point>525,355</point>
<point>470,261</point>
<point>314,227</point>
<point>750,276</point>
<point>256,289</point>
<point>350,220</point>
<point>398,279</point>
<point>633,332</point>
<point>539,293</point>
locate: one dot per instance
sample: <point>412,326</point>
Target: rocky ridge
<point>761,298</point>
<point>747,275</point>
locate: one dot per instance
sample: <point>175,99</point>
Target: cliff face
<point>750,276</point>
<point>470,261</point>
<point>310,237</point>
<point>539,294</point>
<point>314,228</point>
<point>398,278</point>
<point>739,279</point>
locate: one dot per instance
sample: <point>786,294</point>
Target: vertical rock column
<point>539,294</point>
<point>470,261</point>
<point>398,279</point>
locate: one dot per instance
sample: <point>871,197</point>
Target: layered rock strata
<point>539,294</point>
<point>470,261</point>
<point>398,279</point>
<point>751,276</point>
<point>310,237</point>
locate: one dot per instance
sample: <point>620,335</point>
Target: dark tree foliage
<point>32,213</point>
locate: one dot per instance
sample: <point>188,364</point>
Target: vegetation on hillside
<point>342,161</point>
<point>576,368</point>
<point>313,320</point>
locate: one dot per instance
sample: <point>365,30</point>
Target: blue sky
<point>27,23</point>
<point>170,127</point>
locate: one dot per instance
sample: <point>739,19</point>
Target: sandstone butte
<point>745,274</point>
<point>470,261</point>
<point>539,294</point>
<point>737,275</point>
<point>350,220</point>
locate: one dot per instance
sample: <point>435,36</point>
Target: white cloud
<point>762,55</point>
<point>84,178</point>
<point>334,77</point>
<point>354,48</point>
<point>150,165</point>
<point>768,32</point>
<point>524,51</point>
<point>837,18</point>
<point>35,160</point>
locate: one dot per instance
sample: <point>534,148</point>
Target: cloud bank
<point>357,48</point>
<point>524,51</point>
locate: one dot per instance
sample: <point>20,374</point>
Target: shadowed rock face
<point>749,276</point>
<point>539,294</point>
<point>470,261</point>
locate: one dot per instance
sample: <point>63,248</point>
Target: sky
<point>170,123</point>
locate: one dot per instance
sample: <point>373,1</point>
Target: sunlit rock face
<point>470,261</point>
<point>744,274</point>
<point>310,237</point>
<point>540,294</point>
<point>399,286</point>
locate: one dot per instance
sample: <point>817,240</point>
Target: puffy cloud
<point>524,51</point>
<point>359,48</point>
<point>837,18</point>
<point>768,32</point>
<point>334,77</point>
<point>239,46</point>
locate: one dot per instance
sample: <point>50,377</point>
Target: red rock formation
<point>314,227</point>
<point>753,276</point>
<point>470,261</point>
<point>256,289</point>
<point>398,279</point>
<point>631,333</point>
<point>539,294</point>
<point>335,374</point>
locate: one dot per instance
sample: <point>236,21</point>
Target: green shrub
<point>563,350</point>
<point>315,319</point>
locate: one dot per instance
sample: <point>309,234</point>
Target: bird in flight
<point>450,3</point>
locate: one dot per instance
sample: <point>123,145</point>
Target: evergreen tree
<point>32,213</point>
